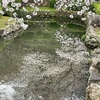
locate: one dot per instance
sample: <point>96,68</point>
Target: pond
<point>49,61</point>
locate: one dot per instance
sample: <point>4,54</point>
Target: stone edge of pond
<point>10,29</point>
<point>57,15</point>
<point>48,13</point>
<point>93,40</point>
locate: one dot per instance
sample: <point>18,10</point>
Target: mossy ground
<point>96,7</point>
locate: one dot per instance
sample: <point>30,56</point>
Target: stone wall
<point>11,30</point>
<point>93,89</point>
<point>93,40</point>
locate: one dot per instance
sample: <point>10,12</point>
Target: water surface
<point>47,62</point>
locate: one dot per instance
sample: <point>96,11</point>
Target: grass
<point>41,9</point>
<point>47,8</point>
<point>3,21</point>
<point>96,6</point>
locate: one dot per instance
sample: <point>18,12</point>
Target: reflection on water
<point>45,63</point>
<point>6,92</point>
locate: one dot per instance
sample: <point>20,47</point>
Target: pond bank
<point>44,15</point>
<point>93,41</point>
<point>46,63</point>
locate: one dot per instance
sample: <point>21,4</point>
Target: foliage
<point>96,7</point>
<point>52,3</point>
<point>54,25</point>
<point>83,37</point>
<point>90,61</point>
<point>8,13</point>
<point>18,1</point>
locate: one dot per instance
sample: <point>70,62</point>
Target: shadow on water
<point>47,62</point>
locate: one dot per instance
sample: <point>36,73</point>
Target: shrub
<point>52,3</point>
<point>83,37</point>
<point>96,7</point>
<point>19,1</point>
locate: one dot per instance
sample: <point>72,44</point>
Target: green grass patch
<point>47,8</point>
<point>3,21</point>
<point>41,8</point>
<point>96,7</point>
